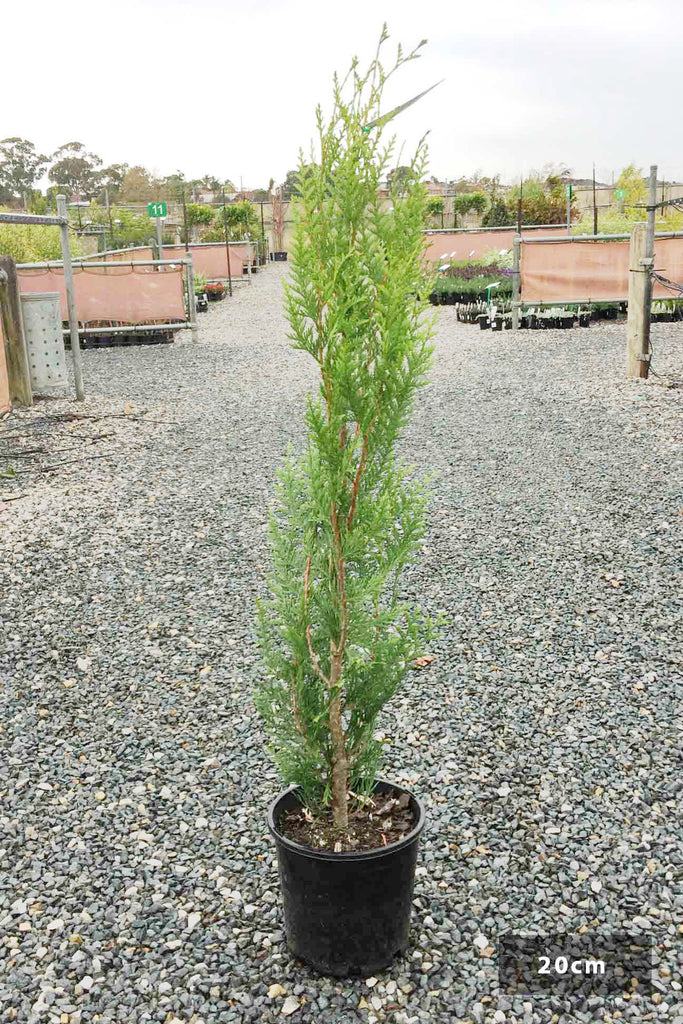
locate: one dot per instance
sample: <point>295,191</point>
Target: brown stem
<point>356,482</point>
<point>309,629</point>
<point>340,763</point>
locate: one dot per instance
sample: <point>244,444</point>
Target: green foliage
<point>241,218</point>
<point>74,171</point>
<point>544,200</point>
<point>469,201</point>
<point>199,283</point>
<point>129,228</point>
<point>469,289</point>
<point>434,207</point>
<point>199,214</point>
<point>498,215</point>
<point>29,243</point>
<point>335,636</point>
<point>20,168</point>
<point>398,178</point>
<point>631,179</point>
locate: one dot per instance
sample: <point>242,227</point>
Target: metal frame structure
<point>518,304</point>
<point>61,221</point>
<point>190,325</point>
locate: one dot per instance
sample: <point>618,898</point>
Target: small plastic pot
<point>484,323</point>
<point>346,913</point>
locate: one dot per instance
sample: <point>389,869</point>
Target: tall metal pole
<point>191,304</point>
<point>187,235</point>
<point>227,244</point>
<point>595,206</point>
<point>111,226</point>
<point>568,189</point>
<point>160,250</point>
<point>516,290</point>
<point>519,207</point>
<point>70,300</point>
<point>651,211</point>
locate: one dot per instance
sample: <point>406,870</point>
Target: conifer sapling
<point>335,635</point>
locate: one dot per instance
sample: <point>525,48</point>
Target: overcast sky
<point>230,88</point>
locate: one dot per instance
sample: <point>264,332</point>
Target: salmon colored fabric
<point>127,296</point>
<point>125,255</point>
<point>4,382</point>
<point>473,244</point>
<point>211,260</point>
<point>591,271</point>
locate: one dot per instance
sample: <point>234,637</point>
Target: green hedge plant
<point>336,636</point>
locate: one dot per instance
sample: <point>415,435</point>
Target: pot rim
<point>349,855</point>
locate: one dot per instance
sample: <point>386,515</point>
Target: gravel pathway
<point>137,879</point>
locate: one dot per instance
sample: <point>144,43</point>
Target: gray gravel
<point>137,880</point>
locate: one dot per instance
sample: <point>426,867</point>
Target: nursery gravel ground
<point>137,879</point>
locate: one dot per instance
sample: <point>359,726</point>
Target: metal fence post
<point>516,282</point>
<point>70,301</point>
<point>191,304</point>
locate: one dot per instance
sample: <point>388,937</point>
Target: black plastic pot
<point>484,322</point>
<point>280,256</point>
<point>346,913</point>
<point>497,324</point>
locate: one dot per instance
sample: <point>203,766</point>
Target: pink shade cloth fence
<point>211,260</point>
<point>463,243</point>
<point>125,255</point>
<point>128,296</point>
<point>591,271</point>
<point>208,260</point>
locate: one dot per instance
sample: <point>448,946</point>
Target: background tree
<point>75,171</point>
<point>20,168</point>
<point>241,219</point>
<point>140,185</point>
<point>110,178</point>
<point>290,186</point>
<point>467,202</point>
<point>398,178</point>
<point>434,208</point>
<point>631,179</point>
<point>544,199</point>
<point>498,215</point>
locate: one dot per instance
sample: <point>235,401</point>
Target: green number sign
<point>568,190</point>
<point>156,209</point>
<point>620,193</point>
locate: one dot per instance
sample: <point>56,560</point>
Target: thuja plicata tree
<point>336,636</point>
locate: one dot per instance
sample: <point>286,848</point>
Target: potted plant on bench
<point>335,635</point>
<point>215,290</point>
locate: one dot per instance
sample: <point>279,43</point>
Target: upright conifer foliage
<point>336,637</point>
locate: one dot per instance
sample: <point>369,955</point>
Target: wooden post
<point>18,374</point>
<point>70,298</point>
<point>639,290</point>
<point>516,290</point>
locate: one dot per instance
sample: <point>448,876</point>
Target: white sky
<point>230,88</point>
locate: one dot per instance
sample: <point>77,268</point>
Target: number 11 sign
<point>156,209</point>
